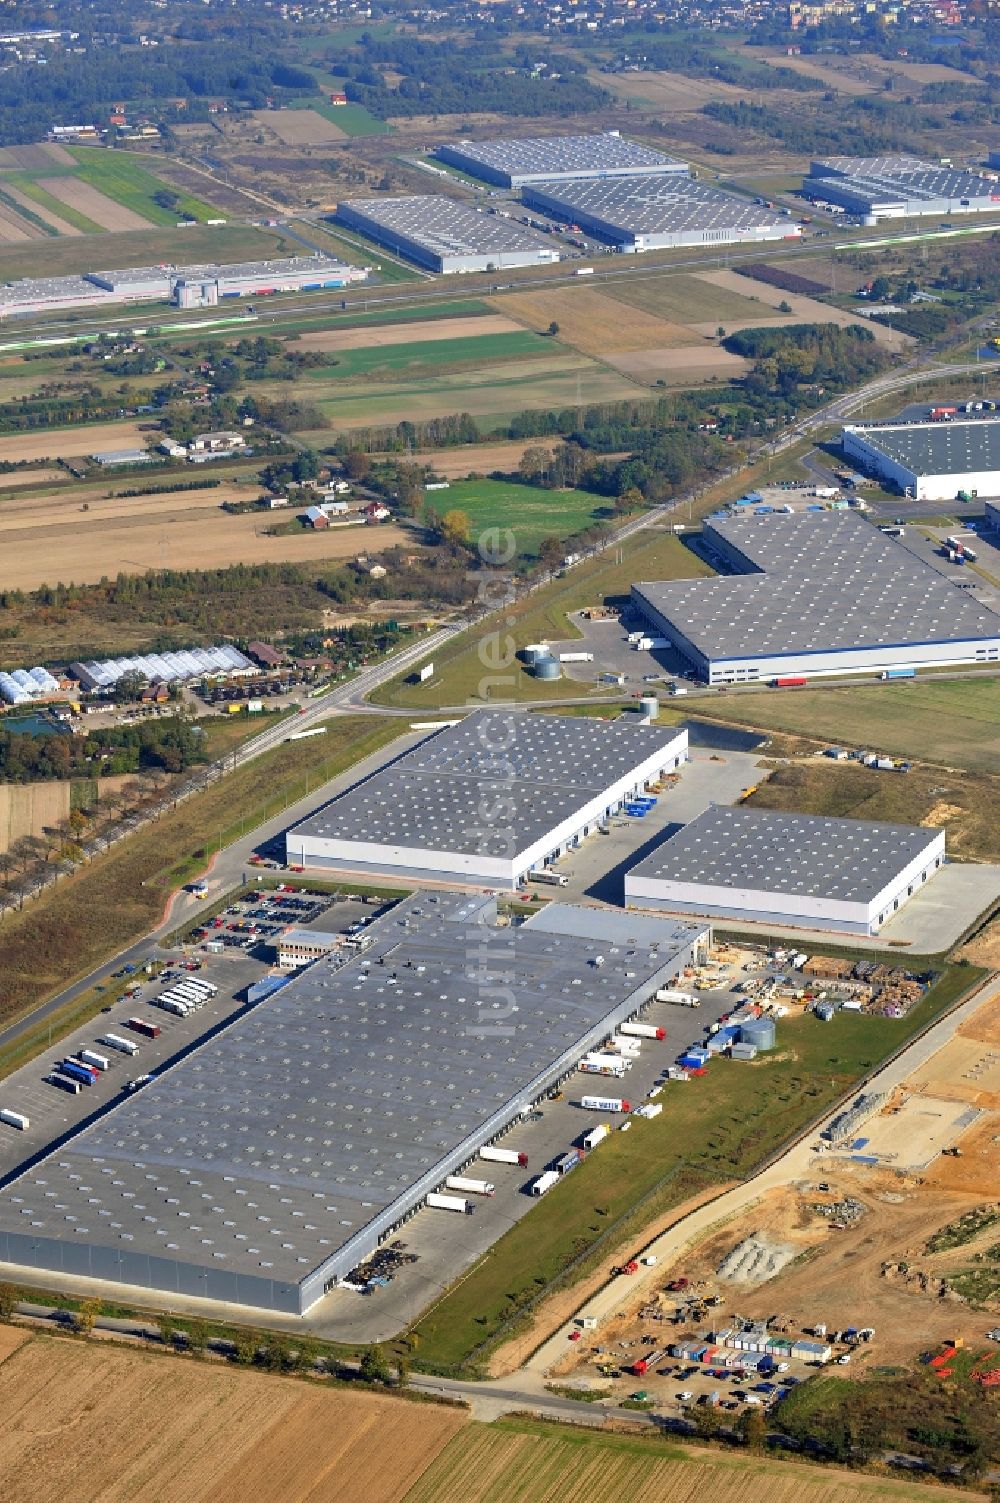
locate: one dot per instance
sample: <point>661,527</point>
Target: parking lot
<point>606,638</point>
<point>241,958</point>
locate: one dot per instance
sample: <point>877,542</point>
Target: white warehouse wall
<point>924,487</point>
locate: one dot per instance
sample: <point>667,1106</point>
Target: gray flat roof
<point>653,205</point>
<point>823,581</point>
<point>539,157</point>
<point>952,448</point>
<point>900,177</point>
<point>852,860</point>
<point>282,1137</point>
<point>446,227</point>
<point>543,767</point>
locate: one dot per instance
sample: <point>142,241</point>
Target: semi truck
<point>605,1104</point>
<point>640,1367</point>
<point>788,683</point>
<point>899,673</point>
<point>124,1046</point>
<point>614,1068</point>
<point>568,1162</point>
<point>642,1031</point>
<point>470,1186</point>
<point>595,1136</point>
<point>679,999</point>
<point>458,1203</point>
<point>64,1082</point>
<point>98,1061</point>
<point>14,1119</point>
<point>494,1155</point>
<point>554,879</point>
<point>543,1184</point>
<point>148,1030</point>
<point>76,1071</point>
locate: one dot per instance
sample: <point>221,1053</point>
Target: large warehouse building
<point>446,235</point>
<point>874,188</point>
<point>816,593</point>
<point>264,1166</point>
<point>802,870</point>
<point>488,800</point>
<point>655,213</point>
<point>512,164</point>
<point>930,461</point>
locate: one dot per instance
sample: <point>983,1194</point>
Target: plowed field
<point>92,1422</point>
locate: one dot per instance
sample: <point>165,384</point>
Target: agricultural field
<point>123,177</point>
<point>954,722</point>
<point>372,332</point>
<point>65,255</point>
<point>527,511</point>
<point>369,353</point>
<point>595,322</point>
<point>299,127</point>
<point>562,379</point>
<point>864,72</point>
<point>66,443</point>
<point>164,530</point>
<point>529,1461</point>
<point>199,1432</point>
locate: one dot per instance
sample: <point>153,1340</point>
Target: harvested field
<point>682,366</point>
<point>483,459</point>
<point>163,533</point>
<point>14,229</point>
<point>804,310</point>
<point>41,157</point>
<point>299,127</point>
<point>30,808</point>
<point>427,332</point>
<point>200,1432</point>
<point>524,1461</point>
<point>671,93</point>
<point>93,203</point>
<point>10,1339</point>
<point>63,443</point>
<point>55,220</point>
<point>65,509</point>
<point>17,478</point>
<point>681,297</point>
<point>595,322</point>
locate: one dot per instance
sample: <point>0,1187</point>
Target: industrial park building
<point>189,286</point>
<point>898,187</point>
<point>815,593</point>
<point>930,461</point>
<point>265,1165</point>
<point>655,213</point>
<point>802,870</point>
<point>513,163</point>
<point>488,800</point>
<point>446,235</point>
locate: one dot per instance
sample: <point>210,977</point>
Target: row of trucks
<point>617,1057</point>
<point>959,551</point>
<point>185,996</point>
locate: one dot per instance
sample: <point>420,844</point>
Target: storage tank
<point>534,651</point>
<point>547,669</point>
<point>649,706</point>
<point>761,1032</point>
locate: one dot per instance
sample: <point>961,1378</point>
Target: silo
<point>649,707</point>
<point>547,669</point>
<point>533,652</point>
<point>761,1032</point>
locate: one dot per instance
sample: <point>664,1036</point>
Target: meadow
<point>528,511</point>
<point>123,177</point>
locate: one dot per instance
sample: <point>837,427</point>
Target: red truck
<point>139,1025</point>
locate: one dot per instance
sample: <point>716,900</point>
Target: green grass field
<point>26,184</point>
<point>66,255</point>
<point>543,615</point>
<point>951,721</point>
<point>354,248</point>
<point>124,178</point>
<point>434,355</point>
<point>717,1130</point>
<point>530,512</point>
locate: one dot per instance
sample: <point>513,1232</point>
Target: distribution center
<point>815,592</point>
<point>936,461</point>
<point>265,1165</point>
<point>898,187</point>
<point>803,870</point>
<point>446,235</point>
<point>487,800</point>
<point>654,213</point>
<point>512,164</point>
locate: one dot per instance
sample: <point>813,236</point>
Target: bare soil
<point>62,225</point>
<point>299,127</point>
<point>596,323</point>
<point>804,309</point>
<point>415,333</point>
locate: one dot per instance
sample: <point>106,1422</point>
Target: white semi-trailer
<point>91,1057</point>
<point>543,1184</point>
<point>642,1031</point>
<point>124,1046</point>
<point>14,1119</point>
<point>679,999</point>
<point>494,1155</point>
<point>439,1202</point>
<point>605,1104</point>
<point>470,1186</point>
